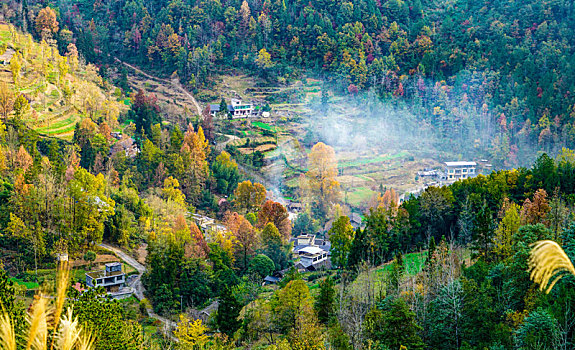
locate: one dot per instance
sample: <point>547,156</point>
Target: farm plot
<point>58,98</point>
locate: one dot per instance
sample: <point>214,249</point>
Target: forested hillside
<point>494,77</point>
<point>93,178</point>
<point>52,92</point>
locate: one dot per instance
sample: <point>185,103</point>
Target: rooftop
<point>103,273</point>
<point>460,163</point>
<point>311,250</point>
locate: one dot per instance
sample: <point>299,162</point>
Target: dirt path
<point>222,146</point>
<point>174,82</point>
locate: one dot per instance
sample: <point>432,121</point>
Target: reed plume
<point>61,287</point>
<point>48,327</point>
<point>69,332</point>
<point>38,329</point>
<point>548,261</point>
<point>7,334</point>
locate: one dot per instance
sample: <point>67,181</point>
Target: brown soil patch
<point>100,259</point>
<point>261,148</point>
<point>142,253</point>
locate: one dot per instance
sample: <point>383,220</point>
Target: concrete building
<point>294,207</point>
<point>459,170</point>
<point>237,109</point>
<point>127,145</point>
<point>313,258</point>
<point>112,278</point>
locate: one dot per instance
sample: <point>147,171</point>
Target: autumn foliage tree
<point>536,211</point>
<point>249,196</point>
<point>323,188</point>
<point>245,236</point>
<point>277,214</point>
<point>46,23</point>
<point>6,100</point>
<point>194,151</point>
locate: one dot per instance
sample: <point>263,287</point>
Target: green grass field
<point>264,126</point>
<point>364,161</point>
<point>28,285</point>
<point>413,263</point>
<point>359,195</point>
<point>4,34</point>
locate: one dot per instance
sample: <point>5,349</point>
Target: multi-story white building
<point>237,109</point>
<point>112,278</point>
<point>460,170</point>
<point>312,257</point>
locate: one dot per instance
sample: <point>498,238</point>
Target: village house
<point>237,109</point>
<point>127,145</point>
<point>355,220</point>
<point>294,207</point>
<point>312,253</point>
<point>313,258</point>
<point>209,226</point>
<point>459,170</point>
<point>112,278</point>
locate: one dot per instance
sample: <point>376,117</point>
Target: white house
<point>312,257</point>
<point>459,170</point>
<point>237,109</point>
<point>112,278</point>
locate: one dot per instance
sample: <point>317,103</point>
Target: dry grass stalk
<point>68,334</point>
<point>86,342</point>
<point>7,334</point>
<point>38,330</point>
<point>547,261</point>
<point>61,287</point>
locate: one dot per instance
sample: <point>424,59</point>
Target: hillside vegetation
<point>60,91</point>
<point>497,79</point>
<point>222,263</point>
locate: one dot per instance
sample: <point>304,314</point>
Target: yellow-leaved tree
<point>323,190</point>
<point>171,191</point>
<point>507,228</point>
<point>249,195</point>
<point>6,100</point>
<point>191,334</point>
<point>195,150</point>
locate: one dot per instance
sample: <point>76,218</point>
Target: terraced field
<point>56,102</point>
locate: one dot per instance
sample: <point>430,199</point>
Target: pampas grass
<point>547,261</point>
<point>48,327</point>
<point>61,287</point>
<point>37,319</point>
<point>69,332</point>
<point>7,334</point>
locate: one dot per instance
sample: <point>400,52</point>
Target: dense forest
<point>446,269</point>
<point>489,77</point>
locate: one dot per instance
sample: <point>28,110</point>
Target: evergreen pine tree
<point>228,311</point>
<point>325,300</point>
<point>430,251</point>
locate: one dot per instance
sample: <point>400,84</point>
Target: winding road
<point>139,290</point>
